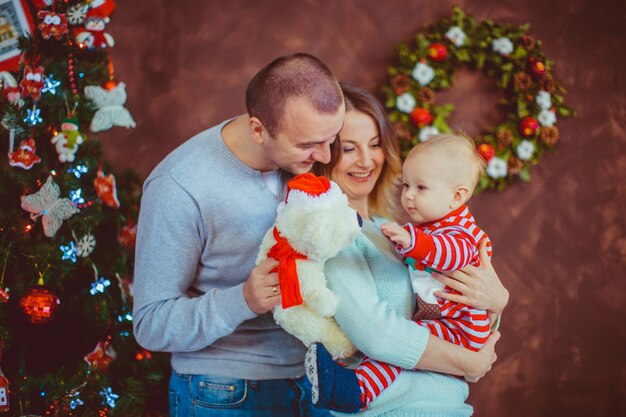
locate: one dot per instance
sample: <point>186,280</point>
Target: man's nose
<point>322,153</point>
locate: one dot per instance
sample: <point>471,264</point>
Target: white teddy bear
<point>313,225</point>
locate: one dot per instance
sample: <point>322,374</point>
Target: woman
<point>374,287</point>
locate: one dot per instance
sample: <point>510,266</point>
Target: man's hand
<point>479,286</point>
<point>261,290</point>
<point>397,234</point>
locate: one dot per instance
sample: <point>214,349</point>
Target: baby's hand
<point>397,234</point>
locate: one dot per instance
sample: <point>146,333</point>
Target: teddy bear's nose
<point>359,219</point>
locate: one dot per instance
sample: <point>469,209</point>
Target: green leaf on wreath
<point>564,111</point>
<point>480,60</point>
<point>519,53</point>
<point>462,55</point>
<point>522,107</point>
<point>445,109</point>
<point>504,81</point>
<point>483,181</point>
<point>440,123</point>
<point>524,174</point>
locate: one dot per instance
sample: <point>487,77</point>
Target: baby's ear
<point>461,195</point>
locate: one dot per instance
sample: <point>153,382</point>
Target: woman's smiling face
<point>362,157</point>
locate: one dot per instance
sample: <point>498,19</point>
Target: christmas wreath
<point>513,58</point>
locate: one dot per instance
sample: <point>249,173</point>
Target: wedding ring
<point>275,289</point>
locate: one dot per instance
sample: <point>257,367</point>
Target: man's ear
<point>257,130</point>
<point>461,195</point>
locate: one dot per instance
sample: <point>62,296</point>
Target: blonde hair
<point>382,200</point>
<point>457,147</point>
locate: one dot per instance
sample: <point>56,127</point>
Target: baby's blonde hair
<point>456,147</point>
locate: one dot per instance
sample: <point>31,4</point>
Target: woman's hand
<point>486,357</point>
<point>480,286</point>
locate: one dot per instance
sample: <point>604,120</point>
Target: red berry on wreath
<point>437,52</point>
<point>486,151</point>
<point>537,67</point>
<point>528,126</point>
<point>421,117</point>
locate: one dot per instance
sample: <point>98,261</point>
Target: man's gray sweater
<point>203,216</point>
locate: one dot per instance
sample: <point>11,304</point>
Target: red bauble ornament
<point>528,126</point>
<point>537,67</point>
<point>486,151</point>
<point>421,117</point>
<point>437,52</point>
<point>39,304</point>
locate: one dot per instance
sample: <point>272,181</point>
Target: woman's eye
<point>345,150</point>
<point>421,187</point>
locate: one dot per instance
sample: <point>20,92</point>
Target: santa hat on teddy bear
<point>304,192</point>
<point>309,192</point>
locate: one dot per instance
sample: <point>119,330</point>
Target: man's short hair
<point>295,75</point>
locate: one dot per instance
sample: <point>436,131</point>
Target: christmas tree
<point>67,223</point>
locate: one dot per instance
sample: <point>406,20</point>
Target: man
<point>205,210</point>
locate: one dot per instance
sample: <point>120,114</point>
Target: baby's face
<point>427,188</point>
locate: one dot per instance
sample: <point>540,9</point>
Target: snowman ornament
<point>93,35</point>
<point>66,142</point>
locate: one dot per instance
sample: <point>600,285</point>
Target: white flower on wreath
<point>543,100</point>
<point>546,118</point>
<point>456,36</point>
<point>406,102</point>
<point>85,245</point>
<point>525,150</point>
<point>496,168</point>
<point>423,73</point>
<point>503,46</point>
<point>426,132</point>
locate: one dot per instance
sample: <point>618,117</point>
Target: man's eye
<point>421,187</point>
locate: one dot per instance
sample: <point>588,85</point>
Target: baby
<point>438,178</point>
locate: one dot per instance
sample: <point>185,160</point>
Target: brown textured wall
<point>560,241</point>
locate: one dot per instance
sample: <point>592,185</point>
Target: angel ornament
<point>47,204</point>
<point>110,104</point>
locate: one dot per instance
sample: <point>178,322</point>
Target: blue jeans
<point>212,396</point>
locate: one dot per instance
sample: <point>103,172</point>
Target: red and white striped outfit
<point>448,244</point>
